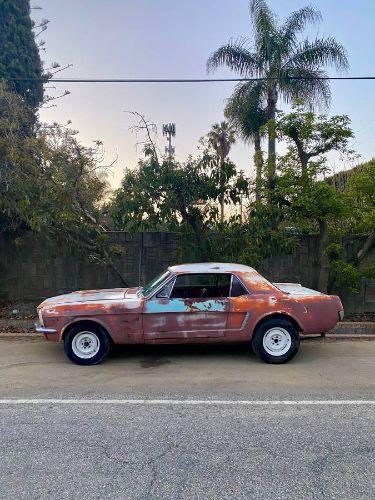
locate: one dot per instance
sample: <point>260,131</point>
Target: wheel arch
<point>278,315</point>
<point>86,323</point>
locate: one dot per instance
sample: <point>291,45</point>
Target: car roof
<point>210,267</point>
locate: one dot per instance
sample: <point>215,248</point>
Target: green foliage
<point>368,270</point>
<point>310,136</point>
<point>18,165</point>
<point>19,55</point>
<point>306,199</point>
<point>360,192</point>
<point>292,69</point>
<point>335,251</point>
<point>247,243</point>
<point>164,196</point>
<point>279,53</point>
<point>345,276</point>
<point>220,139</point>
<point>49,183</point>
<point>180,196</point>
<point>244,110</point>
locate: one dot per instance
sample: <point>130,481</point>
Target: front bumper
<point>42,329</point>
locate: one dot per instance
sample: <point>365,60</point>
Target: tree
<point>306,198</point>
<point>166,195</point>
<point>244,111</point>
<point>19,56</point>
<point>220,139</point>
<point>361,196</point>
<point>51,184</point>
<point>19,149</point>
<point>74,185</point>
<point>314,135</point>
<point>290,69</point>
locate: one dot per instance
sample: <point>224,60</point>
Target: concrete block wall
<point>38,268</point>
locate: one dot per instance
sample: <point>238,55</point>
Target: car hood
<point>91,296</point>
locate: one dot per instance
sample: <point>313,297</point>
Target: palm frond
<point>262,17</point>
<point>252,91</point>
<point>265,29</point>
<point>298,20</point>
<point>245,109</point>
<point>236,57</point>
<point>321,52</point>
<point>308,85</point>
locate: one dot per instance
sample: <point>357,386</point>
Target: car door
<point>240,311</point>
<point>188,308</point>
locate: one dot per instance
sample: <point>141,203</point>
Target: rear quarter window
<point>237,288</point>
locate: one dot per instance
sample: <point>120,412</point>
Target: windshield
<point>152,285</point>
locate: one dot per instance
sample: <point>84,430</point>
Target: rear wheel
<point>86,344</point>
<point>276,341</point>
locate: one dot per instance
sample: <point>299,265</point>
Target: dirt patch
<point>361,317</point>
<point>19,310</point>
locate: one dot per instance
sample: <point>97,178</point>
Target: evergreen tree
<point>19,54</point>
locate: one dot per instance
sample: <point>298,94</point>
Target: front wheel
<point>276,341</point>
<point>86,345</point>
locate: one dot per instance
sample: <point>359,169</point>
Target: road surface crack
<point>153,463</point>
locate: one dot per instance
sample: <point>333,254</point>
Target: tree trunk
<point>369,243</point>
<point>222,210</point>
<point>323,257</point>
<point>271,163</point>
<point>258,161</point>
<point>222,187</point>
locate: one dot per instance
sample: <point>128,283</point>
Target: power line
<point>183,80</point>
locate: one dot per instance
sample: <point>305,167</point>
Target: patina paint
<point>184,305</point>
<point>129,317</point>
<point>184,319</point>
<point>121,317</point>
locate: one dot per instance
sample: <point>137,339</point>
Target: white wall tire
<point>86,344</point>
<point>276,340</point>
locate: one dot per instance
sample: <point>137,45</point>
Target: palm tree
<point>221,138</point>
<point>244,111</point>
<point>289,68</point>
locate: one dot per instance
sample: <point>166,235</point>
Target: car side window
<point>203,285</point>
<point>165,291</point>
<point>237,288</point>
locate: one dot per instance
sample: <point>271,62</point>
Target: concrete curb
<point>354,328</point>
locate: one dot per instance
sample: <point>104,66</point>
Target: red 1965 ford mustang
<point>209,302</point>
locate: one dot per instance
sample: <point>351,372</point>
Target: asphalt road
<point>187,450</point>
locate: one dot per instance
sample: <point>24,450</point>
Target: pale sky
<point>172,39</point>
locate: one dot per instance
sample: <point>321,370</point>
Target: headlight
<point>40,317</point>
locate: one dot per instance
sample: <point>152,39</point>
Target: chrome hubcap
<point>277,341</point>
<point>85,345</point>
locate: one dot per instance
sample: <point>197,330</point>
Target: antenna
<point>169,130</point>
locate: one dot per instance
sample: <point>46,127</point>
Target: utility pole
<point>169,130</point>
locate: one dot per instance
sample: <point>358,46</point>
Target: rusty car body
<point>190,303</point>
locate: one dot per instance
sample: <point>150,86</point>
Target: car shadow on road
<point>158,355</point>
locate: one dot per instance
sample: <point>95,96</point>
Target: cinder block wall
<point>38,268</point>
